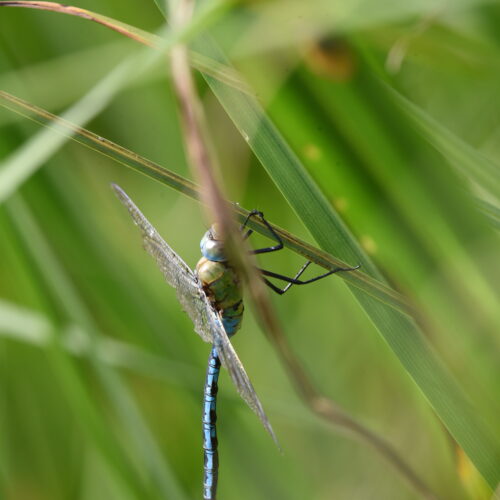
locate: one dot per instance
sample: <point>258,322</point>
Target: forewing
<point>177,273</point>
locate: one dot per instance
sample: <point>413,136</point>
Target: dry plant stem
<point>204,64</point>
<point>336,416</point>
<point>76,11</point>
<point>192,122</point>
<point>200,159</point>
<point>198,153</point>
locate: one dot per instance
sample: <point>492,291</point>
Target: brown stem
<point>336,416</point>
<point>83,13</point>
<point>193,126</point>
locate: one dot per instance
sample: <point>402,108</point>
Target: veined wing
<point>177,273</point>
<point>209,325</point>
<point>234,366</point>
<point>195,302</point>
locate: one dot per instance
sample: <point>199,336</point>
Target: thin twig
<point>200,159</point>
<point>85,14</point>
<point>330,411</point>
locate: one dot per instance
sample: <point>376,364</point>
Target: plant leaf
<point>359,279</point>
<point>22,163</point>
<point>399,330</point>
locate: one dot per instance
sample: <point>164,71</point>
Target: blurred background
<point>393,109</point>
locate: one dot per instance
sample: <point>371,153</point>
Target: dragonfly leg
<point>295,280</point>
<point>290,281</point>
<point>274,234</point>
<point>279,290</point>
<point>253,213</point>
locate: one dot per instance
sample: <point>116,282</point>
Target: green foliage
<point>362,122</point>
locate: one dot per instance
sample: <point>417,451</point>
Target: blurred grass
<point>399,195</point>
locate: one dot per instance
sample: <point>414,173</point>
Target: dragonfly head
<point>212,246</point>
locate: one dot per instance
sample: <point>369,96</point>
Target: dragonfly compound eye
<point>211,247</point>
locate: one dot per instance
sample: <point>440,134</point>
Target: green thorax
<point>221,283</point>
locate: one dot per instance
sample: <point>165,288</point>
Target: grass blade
<point>26,160</point>
<point>360,279</point>
<point>62,292</point>
<point>127,30</point>
<point>399,331</point>
<point>468,161</point>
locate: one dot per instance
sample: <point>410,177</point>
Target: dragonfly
<point>211,295</point>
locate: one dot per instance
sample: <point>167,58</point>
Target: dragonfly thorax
<point>220,281</point>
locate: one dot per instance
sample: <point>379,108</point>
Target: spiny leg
<point>279,246</point>
<point>278,290</point>
<point>274,234</point>
<point>251,214</point>
<point>295,280</point>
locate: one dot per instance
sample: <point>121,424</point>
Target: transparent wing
<point>239,376</point>
<point>176,271</point>
<point>194,301</point>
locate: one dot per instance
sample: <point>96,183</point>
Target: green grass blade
<point>491,212</point>
<point>469,162</point>
<point>24,325</point>
<point>65,295</point>
<point>89,63</point>
<point>33,328</point>
<point>323,17</point>
<point>73,389</point>
<point>21,164</point>
<point>398,330</point>
<point>359,279</point>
